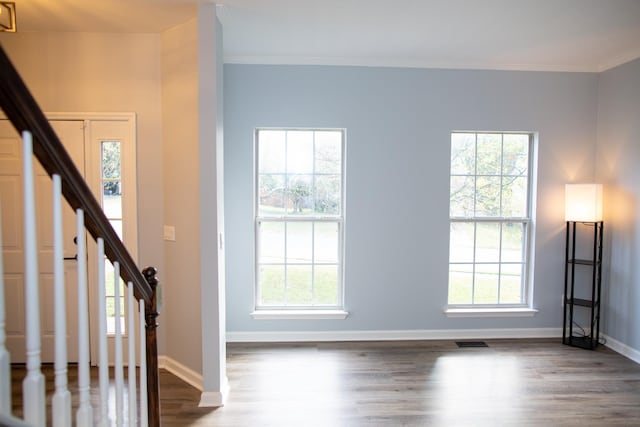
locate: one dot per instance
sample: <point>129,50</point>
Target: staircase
<point>40,140</point>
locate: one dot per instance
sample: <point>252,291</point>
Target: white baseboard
<point>186,374</point>
<point>209,399</point>
<point>623,349</point>
<point>395,335</point>
<point>193,378</point>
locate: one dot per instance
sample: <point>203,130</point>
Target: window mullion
<point>502,215</point>
<point>473,269</point>
<point>475,176</point>
<point>286,262</point>
<point>313,264</point>
<point>500,261</point>
<point>313,224</point>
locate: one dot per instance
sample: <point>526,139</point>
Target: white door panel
<point>72,135</point>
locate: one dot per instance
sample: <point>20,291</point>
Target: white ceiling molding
<point>538,35</point>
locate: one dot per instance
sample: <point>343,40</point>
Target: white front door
<point>103,148</point>
<point>71,133</point>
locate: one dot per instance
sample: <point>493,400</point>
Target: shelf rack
<point>589,335</point>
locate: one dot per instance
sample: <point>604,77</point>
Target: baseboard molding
<point>186,374</point>
<point>193,378</point>
<point>209,399</point>
<point>623,349</point>
<point>393,335</point>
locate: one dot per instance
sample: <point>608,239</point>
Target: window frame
<point>329,311</point>
<point>523,308</point>
<point>122,292</point>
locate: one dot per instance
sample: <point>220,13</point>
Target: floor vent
<point>467,344</point>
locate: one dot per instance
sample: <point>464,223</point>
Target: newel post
<point>151,311</point>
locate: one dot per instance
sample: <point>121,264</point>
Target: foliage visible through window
<point>112,206</point>
<point>299,218</point>
<point>490,217</point>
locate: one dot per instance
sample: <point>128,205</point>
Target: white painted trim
<point>622,348</point>
<point>401,63</point>
<point>193,378</point>
<point>299,314</point>
<point>92,116</point>
<point>186,374</point>
<point>392,335</point>
<point>490,312</point>
<point>82,116</point>
<point>214,399</point>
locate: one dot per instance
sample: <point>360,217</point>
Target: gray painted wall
<point>618,161</point>
<point>398,125</point>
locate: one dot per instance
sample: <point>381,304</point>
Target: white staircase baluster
<point>119,373</point>
<point>103,363</point>
<point>5,367</point>
<point>33,384</point>
<point>61,401</point>
<point>144,409</point>
<point>84,415</point>
<point>132,357</point>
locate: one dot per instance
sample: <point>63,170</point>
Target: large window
<point>299,218</point>
<point>490,218</point>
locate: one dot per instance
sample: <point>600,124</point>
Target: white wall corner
<point>621,348</point>
<point>181,371</point>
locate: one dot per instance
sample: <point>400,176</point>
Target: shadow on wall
<point>621,293</point>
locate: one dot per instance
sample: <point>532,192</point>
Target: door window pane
<point>111,176</point>
<point>110,294</point>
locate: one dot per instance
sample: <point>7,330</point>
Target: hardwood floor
<point>418,383</point>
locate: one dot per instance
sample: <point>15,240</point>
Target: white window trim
<point>317,312</point>
<point>525,309</point>
<point>310,314</point>
<point>491,312</point>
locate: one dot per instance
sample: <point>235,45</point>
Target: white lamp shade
<point>583,202</point>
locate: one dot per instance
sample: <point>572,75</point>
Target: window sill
<point>299,314</point>
<point>490,312</point>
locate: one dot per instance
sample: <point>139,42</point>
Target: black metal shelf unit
<point>586,335</point>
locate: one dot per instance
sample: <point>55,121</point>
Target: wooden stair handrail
<point>25,114</point>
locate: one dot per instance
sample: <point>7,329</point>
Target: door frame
<point>129,208</point>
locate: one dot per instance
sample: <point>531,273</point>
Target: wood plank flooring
<point>417,383</point>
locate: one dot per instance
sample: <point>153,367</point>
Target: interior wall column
<point>215,384</point>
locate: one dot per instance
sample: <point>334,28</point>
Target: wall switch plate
<point>169,233</point>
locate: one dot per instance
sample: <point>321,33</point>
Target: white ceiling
<point>556,35</point>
